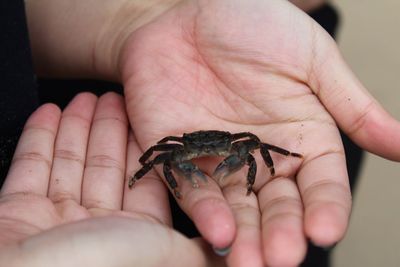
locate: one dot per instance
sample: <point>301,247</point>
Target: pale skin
<point>258,66</point>
<point>52,208</point>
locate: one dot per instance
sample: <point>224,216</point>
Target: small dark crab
<point>208,143</point>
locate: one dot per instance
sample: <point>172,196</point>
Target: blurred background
<point>369,38</point>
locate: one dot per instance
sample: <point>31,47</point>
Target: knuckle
<point>69,155</point>
<point>104,161</point>
<point>35,156</point>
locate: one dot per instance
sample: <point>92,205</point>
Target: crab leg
<point>280,150</point>
<point>251,175</point>
<point>160,147</point>
<point>267,159</point>
<point>147,167</point>
<point>241,135</point>
<point>171,179</point>
<point>170,138</point>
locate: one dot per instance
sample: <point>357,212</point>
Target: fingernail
<point>222,251</point>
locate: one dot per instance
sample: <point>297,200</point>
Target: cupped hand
<point>65,203</point>
<point>263,67</point>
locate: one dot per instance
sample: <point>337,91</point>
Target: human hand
<point>211,62</point>
<point>267,68</point>
<point>63,202</point>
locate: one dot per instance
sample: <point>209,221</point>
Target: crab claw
<point>228,166</point>
<point>188,170</point>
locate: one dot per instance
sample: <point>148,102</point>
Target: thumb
<point>356,112</point>
<point>108,242</point>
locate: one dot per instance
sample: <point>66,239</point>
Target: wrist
<point>129,17</point>
<point>82,39</point>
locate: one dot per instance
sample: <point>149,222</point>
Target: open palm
<point>262,67</point>
<point>63,201</point>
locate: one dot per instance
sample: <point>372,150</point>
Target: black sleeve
<point>18,97</point>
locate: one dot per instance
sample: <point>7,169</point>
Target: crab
<point>236,148</point>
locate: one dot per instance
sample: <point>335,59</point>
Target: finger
<point>246,249</point>
<point>149,196</point>
<point>30,169</point>
<point>325,191</point>
<point>202,200</point>
<point>284,243</point>
<point>104,174</point>
<point>209,211</point>
<point>358,114</point>
<point>70,149</point>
